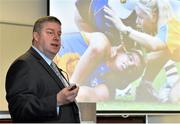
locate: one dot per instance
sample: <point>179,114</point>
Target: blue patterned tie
<point>55,69</point>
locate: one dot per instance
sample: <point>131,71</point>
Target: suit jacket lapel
<point>46,67</point>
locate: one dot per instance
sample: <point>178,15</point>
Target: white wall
<point>16,20</point>
<point>22,11</point>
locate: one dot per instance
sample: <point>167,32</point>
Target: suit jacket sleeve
<point>23,96</point>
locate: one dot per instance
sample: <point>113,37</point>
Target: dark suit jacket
<point>31,87</point>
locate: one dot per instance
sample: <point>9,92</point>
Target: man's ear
<point>116,49</point>
<point>36,36</point>
<point>120,48</point>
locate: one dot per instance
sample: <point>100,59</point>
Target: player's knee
<point>99,50</point>
<point>102,48</point>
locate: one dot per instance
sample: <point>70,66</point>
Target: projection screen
<point>119,52</point>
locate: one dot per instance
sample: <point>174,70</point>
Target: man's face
<point>48,39</point>
<point>146,22</point>
<point>128,65</point>
<point>127,61</point>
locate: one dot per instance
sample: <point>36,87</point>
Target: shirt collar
<point>49,61</point>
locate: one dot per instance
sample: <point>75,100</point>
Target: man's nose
<point>131,63</point>
<point>57,37</point>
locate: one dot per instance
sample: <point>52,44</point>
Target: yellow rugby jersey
<point>173,41</point>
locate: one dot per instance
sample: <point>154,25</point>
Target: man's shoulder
<point>27,57</point>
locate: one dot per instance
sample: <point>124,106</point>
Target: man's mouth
<point>54,44</point>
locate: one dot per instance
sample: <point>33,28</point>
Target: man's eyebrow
<point>53,30</point>
<point>49,29</point>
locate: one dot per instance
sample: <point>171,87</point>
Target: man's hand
<point>67,95</point>
<point>116,21</point>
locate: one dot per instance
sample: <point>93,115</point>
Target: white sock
<point>171,78</point>
<point>171,73</point>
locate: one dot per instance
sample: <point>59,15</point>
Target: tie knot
<point>54,67</point>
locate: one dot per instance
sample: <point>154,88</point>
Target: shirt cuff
<point>58,108</point>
